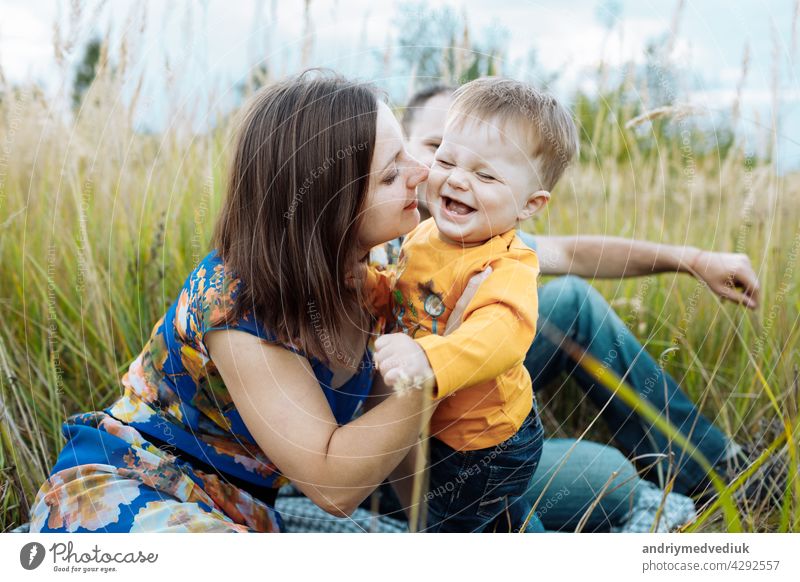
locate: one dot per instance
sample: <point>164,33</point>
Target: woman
<point>252,376</point>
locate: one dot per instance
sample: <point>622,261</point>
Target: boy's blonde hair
<point>551,133</point>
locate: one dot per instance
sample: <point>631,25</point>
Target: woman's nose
<point>417,173</point>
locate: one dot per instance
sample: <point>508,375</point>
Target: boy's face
<point>482,182</point>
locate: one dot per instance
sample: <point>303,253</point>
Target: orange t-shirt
<point>484,389</point>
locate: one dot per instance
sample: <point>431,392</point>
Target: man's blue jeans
<point>581,314</point>
<point>575,477</point>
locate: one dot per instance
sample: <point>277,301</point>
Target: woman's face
<point>391,207</point>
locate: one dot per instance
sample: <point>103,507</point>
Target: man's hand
<point>355,278</point>
<point>729,275</point>
<point>402,363</point>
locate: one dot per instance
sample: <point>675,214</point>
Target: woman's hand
<point>729,275</point>
<point>280,401</point>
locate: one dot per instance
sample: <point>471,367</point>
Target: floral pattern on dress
<point>111,476</point>
<point>60,503</point>
<point>173,517</point>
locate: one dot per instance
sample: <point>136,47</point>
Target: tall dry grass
<point>100,224</point>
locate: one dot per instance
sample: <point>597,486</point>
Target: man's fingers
<point>748,282</point>
<point>755,297</point>
<point>736,296</point>
<point>737,276</point>
<point>750,293</point>
<point>741,285</point>
<point>355,278</point>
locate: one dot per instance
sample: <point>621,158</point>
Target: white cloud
<point>25,41</point>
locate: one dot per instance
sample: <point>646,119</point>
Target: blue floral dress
<point>173,454</point>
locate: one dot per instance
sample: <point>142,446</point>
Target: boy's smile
<point>455,210</point>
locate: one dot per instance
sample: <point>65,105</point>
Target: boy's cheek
<point>434,185</point>
<point>436,176</point>
<point>431,196</point>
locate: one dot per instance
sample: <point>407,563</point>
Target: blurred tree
<point>659,73</point>
<point>425,35</point>
<point>608,13</point>
<point>437,47</point>
<point>537,74</point>
<point>86,72</point>
<point>257,77</point>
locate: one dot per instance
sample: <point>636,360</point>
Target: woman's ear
<point>533,204</point>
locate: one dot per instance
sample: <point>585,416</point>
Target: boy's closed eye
<point>443,162</point>
<point>485,176</point>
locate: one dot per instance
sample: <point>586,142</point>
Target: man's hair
<point>418,101</point>
<point>550,131</point>
<point>296,189</point>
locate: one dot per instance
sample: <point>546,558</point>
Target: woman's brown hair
<point>288,226</point>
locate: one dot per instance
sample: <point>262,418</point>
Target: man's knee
<point>570,297</point>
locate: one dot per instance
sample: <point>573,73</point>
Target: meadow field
<point>101,222</point>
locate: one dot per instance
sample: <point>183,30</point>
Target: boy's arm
<point>497,329</point>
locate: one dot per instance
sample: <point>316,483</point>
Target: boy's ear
<point>533,204</point>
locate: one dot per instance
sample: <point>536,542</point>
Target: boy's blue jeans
<point>581,314</point>
<point>483,490</point>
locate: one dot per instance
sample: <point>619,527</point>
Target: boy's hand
<point>403,363</point>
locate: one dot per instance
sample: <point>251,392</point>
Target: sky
<point>209,46</point>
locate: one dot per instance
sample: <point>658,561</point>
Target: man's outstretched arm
<point>729,275</point>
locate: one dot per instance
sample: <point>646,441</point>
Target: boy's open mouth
<point>456,207</point>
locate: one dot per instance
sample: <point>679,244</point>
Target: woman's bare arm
<point>280,400</point>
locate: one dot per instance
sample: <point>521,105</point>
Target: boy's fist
<point>402,363</point>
